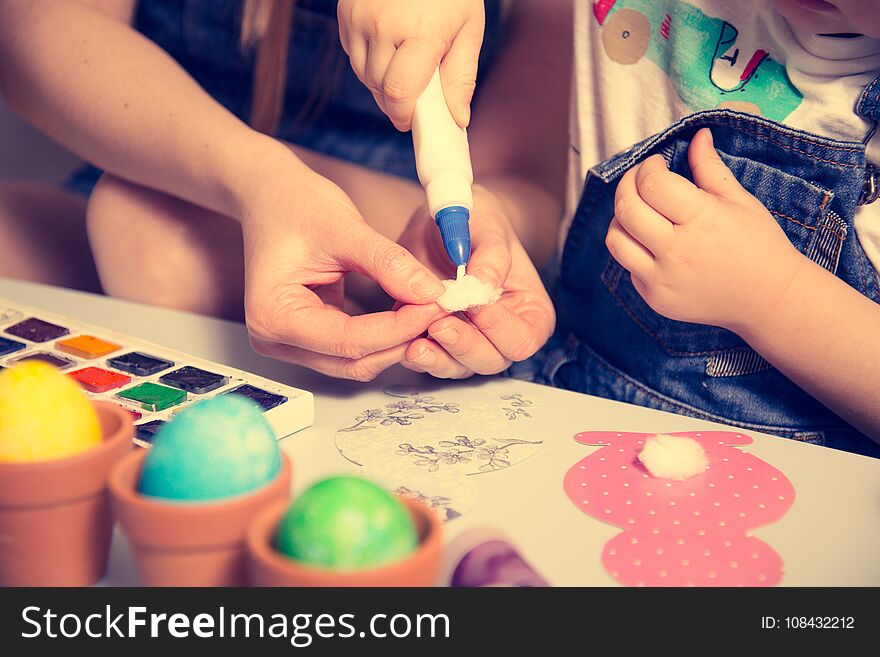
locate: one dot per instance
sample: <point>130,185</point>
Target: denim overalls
<point>326,108</point>
<point>610,343</point>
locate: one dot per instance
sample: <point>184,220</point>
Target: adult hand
<point>301,235</point>
<point>491,337</point>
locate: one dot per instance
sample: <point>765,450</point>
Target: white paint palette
<point>151,382</point>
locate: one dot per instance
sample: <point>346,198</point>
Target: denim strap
<point>868,106</point>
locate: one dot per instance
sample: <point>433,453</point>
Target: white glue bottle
<point>443,162</point>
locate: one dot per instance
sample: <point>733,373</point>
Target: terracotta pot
<point>55,520</point>
<point>268,567</point>
<point>189,544</point>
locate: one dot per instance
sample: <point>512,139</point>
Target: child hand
<point>301,235</point>
<point>511,329</point>
<point>708,252</point>
<point>395,46</point>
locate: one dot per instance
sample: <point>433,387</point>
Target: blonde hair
<point>265,28</point>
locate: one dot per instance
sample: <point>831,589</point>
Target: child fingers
<point>468,346</point>
<point>357,55</point>
<point>458,71</point>
<point>427,356</point>
<point>709,171</point>
<point>673,196</point>
<point>379,54</point>
<point>628,251</point>
<point>639,219</point>
<point>408,74</point>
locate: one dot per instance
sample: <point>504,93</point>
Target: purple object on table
<point>267,400</point>
<point>54,360</point>
<point>491,561</point>
<point>193,379</point>
<point>36,330</point>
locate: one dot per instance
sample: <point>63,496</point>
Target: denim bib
<point>326,108</point>
<point>610,343</point>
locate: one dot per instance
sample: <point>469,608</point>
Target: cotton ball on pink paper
<point>673,457</point>
<point>467,292</point>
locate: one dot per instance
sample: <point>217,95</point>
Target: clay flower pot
<point>55,520</point>
<point>189,544</point>
<point>268,567</point>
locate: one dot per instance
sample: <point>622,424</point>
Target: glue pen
<point>443,162</point>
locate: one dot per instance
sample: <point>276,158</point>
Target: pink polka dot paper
<point>682,533</point>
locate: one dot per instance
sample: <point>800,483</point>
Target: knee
<point>103,212</point>
<point>157,249</point>
<point>108,196</point>
<point>126,236</point>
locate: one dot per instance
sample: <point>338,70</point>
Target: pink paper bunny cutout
<point>682,533</point>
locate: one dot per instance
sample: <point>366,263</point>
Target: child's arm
<point>115,98</point>
<point>711,253</point>
<point>825,337</point>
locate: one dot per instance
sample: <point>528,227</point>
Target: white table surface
<point>830,536</point>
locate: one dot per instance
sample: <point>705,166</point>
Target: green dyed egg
<point>346,523</point>
<point>216,448</point>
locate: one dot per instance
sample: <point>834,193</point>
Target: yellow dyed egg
<point>44,415</point>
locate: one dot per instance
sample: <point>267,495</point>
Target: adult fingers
<point>332,295</point>
<point>468,346</point>
<point>366,368</point>
<point>425,355</point>
<point>518,324</point>
<point>298,318</point>
<point>390,265</point>
<point>491,259</point>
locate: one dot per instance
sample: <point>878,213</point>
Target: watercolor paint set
<point>151,382</point>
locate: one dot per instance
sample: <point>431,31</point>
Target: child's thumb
<point>458,73</point>
<point>709,171</point>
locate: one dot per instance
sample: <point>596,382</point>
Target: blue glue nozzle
<point>453,225</point>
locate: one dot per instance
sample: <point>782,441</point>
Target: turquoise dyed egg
<point>346,523</point>
<point>216,448</point>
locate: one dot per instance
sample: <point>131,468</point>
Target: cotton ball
<point>467,292</point>
<point>673,457</point>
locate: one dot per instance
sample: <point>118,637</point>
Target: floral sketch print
<point>410,408</point>
<point>517,407</point>
<point>439,503</point>
<point>432,441</point>
<point>463,449</point>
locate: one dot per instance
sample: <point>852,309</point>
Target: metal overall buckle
<point>871,189</point>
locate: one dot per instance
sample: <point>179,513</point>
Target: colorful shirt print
<point>708,61</point>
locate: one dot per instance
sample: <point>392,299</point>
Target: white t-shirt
<point>641,65</point>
